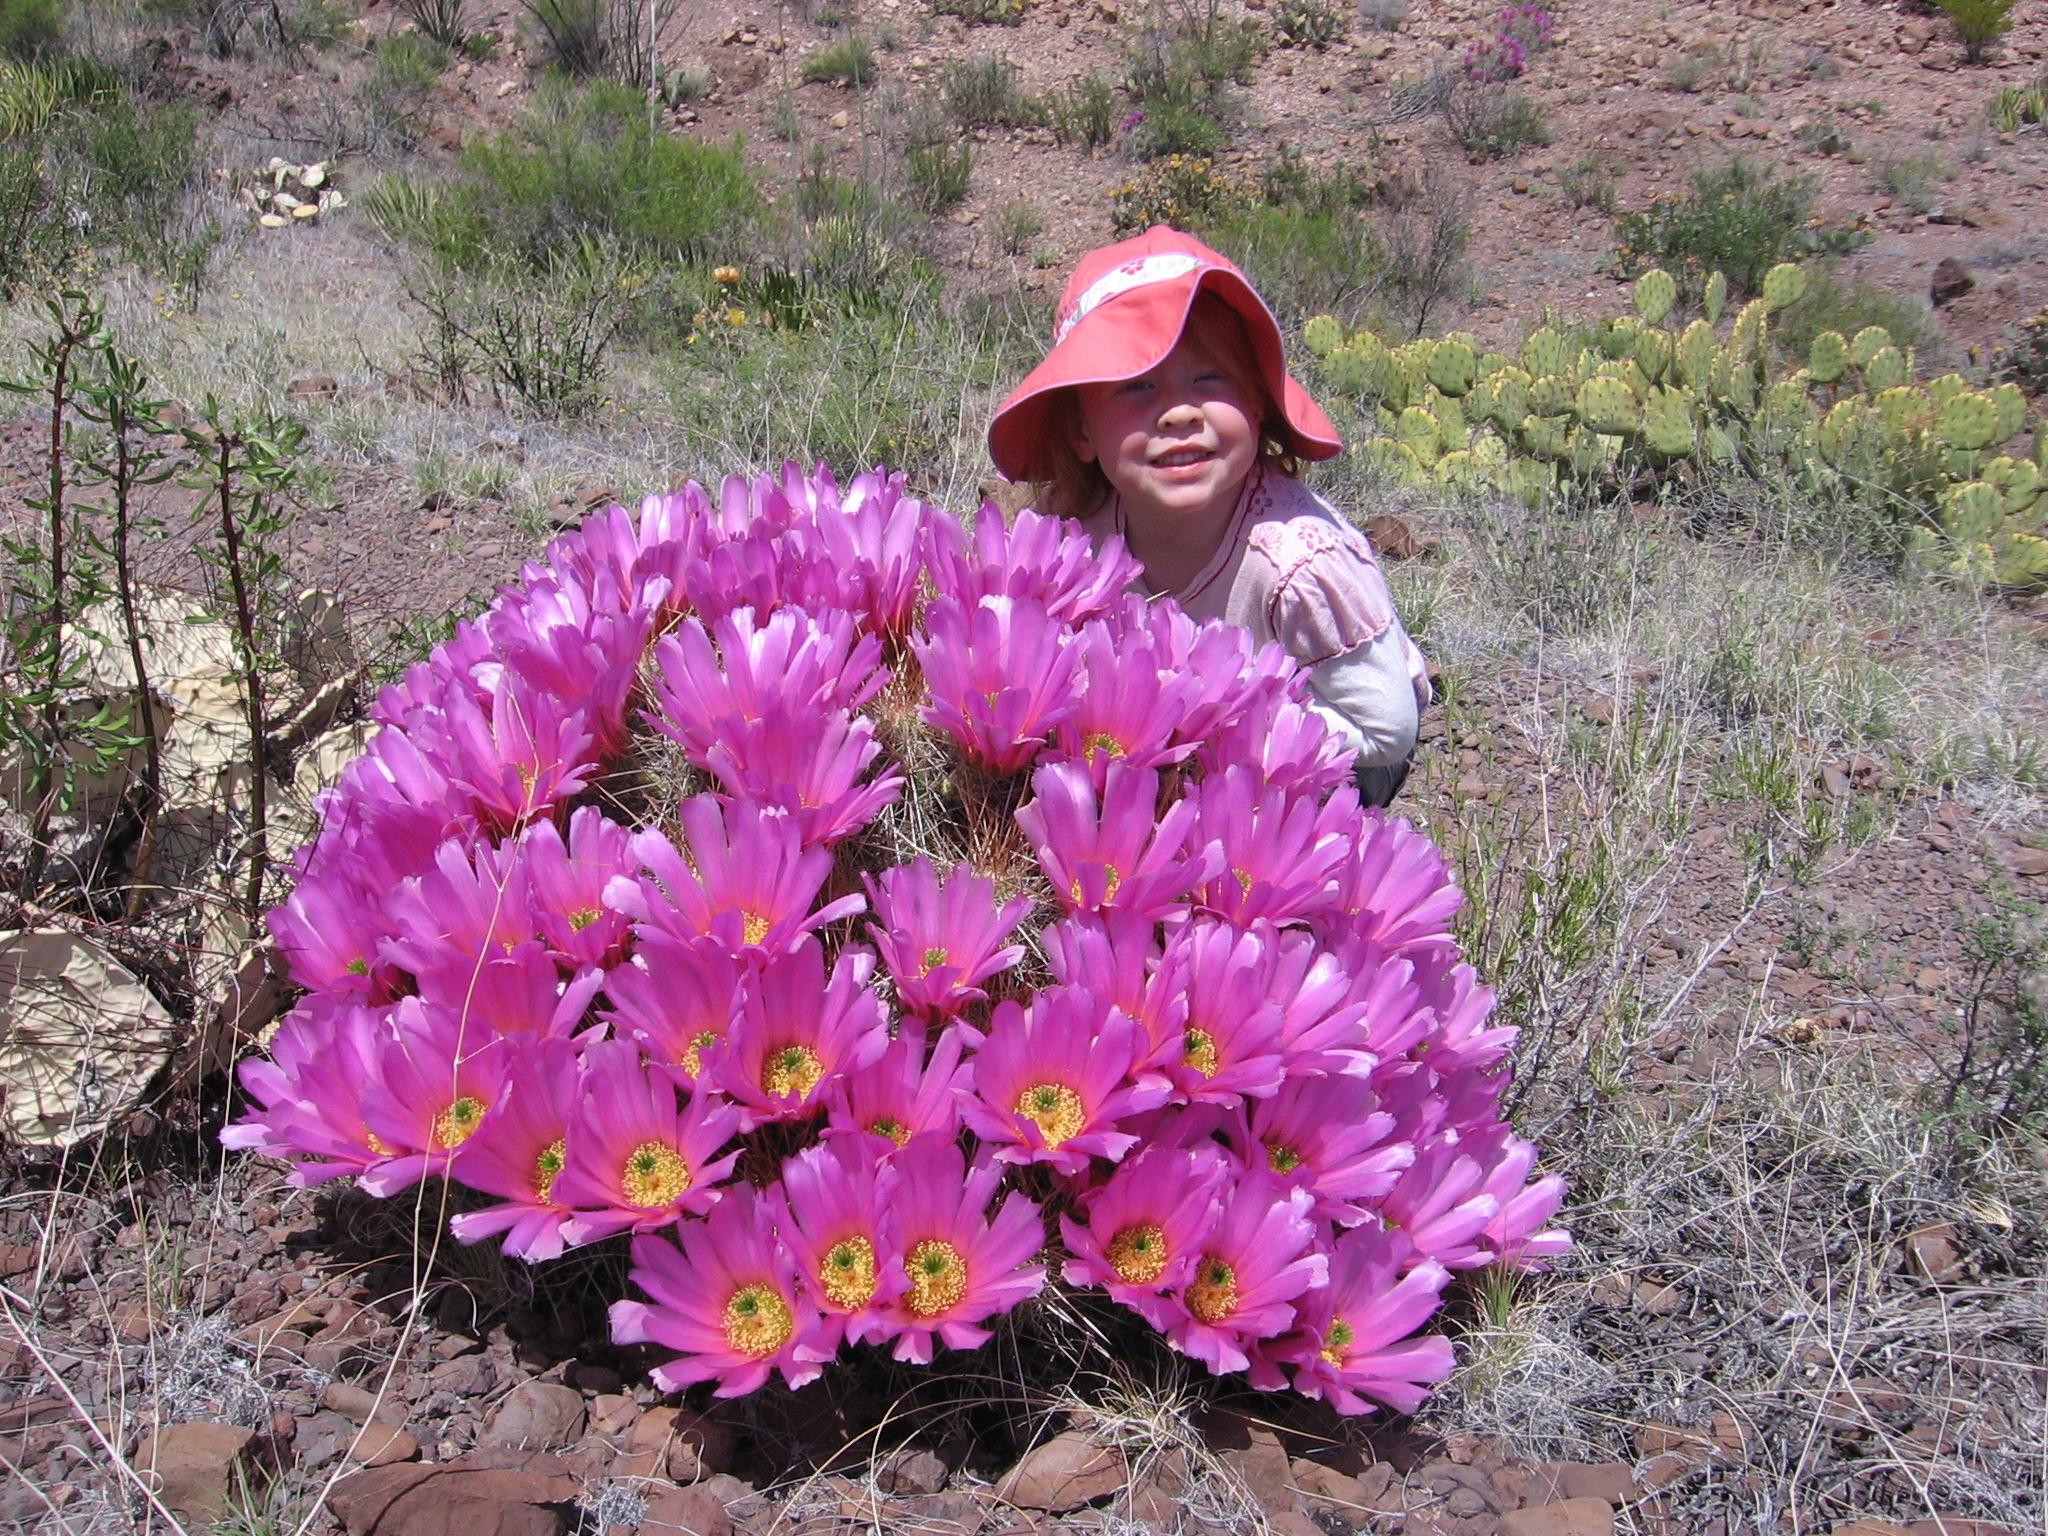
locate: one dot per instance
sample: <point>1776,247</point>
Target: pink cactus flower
<point>1328,1136</point>
<point>724,1294</point>
<point>1516,1234</point>
<point>1000,674</point>
<point>1117,954</point>
<point>901,1095</point>
<point>676,1001</point>
<point>1115,852</point>
<point>633,1159</point>
<point>1051,1084</point>
<point>1045,559</point>
<point>527,755</point>
<point>461,911</point>
<point>1354,1348</point>
<point>1441,1206</point>
<point>749,881</point>
<point>809,765</point>
<point>1281,850</point>
<point>829,1213</point>
<point>309,1093</point>
<point>887,541</point>
<point>940,939</point>
<point>1394,887</point>
<point>796,1030</point>
<point>1259,1257</point>
<point>1143,1227</point>
<point>328,933</point>
<point>1129,708</point>
<point>1231,1048</point>
<point>434,1085</point>
<point>518,1151</point>
<point>566,882</point>
<point>962,1265</point>
<point>1284,745</point>
<point>791,661</point>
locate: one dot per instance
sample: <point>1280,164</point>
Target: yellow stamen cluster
<point>933,959</point>
<point>1282,1158</point>
<point>458,1122</point>
<point>1102,741</point>
<point>895,1130</point>
<point>378,1144</point>
<point>1055,1109</point>
<point>693,1053</point>
<point>1110,881</point>
<point>1213,1296</point>
<point>553,1158</point>
<point>1244,881</point>
<point>753,927</point>
<point>938,1277</point>
<point>1200,1052</point>
<point>1138,1254</point>
<point>792,1071</point>
<point>582,919</point>
<point>1336,1341</point>
<point>847,1273</point>
<point>654,1175</point>
<point>757,1321</point>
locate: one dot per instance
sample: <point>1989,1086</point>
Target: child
<point>1165,413</point>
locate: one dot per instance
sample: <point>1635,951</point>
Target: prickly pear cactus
<point>1967,421</point>
<point>1784,285</point>
<point>1827,357</point>
<point>1655,292</point>
<point>1714,298</point>
<point>1608,405</point>
<point>1869,341</point>
<point>1453,367</point>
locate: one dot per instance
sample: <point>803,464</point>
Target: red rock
<point>1262,1463</point>
<point>911,1471</point>
<point>695,1447</point>
<point>1931,1253</point>
<point>457,1498</point>
<point>1291,1523</point>
<point>1951,281</point>
<point>1064,1473</point>
<point>1567,1517</point>
<point>1868,1528</point>
<point>538,1414</point>
<point>2029,863</point>
<point>360,1404</point>
<point>381,1445</point>
<point>684,1512</point>
<point>193,1467</point>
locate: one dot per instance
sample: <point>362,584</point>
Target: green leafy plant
<point>1979,24</point>
<point>1184,190</point>
<point>30,29</point>
<point>1997,1081</point>
<point>1491,119</point>
<point>985,13</point>
<point>848,62</point>
<point>1738,220</point>
<point>937,162</point>
<point>1913,181</point>
<point>1588,182</point>
<point>602,39</point>
<point>440,21</point>
<point>1083,111</point>
<point>981,92</point>
<point>1310,23</point>
<point>1018,223</point>
<point>1182,67</point>
<point>2016,106</point>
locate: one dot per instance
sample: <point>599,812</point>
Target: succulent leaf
<point>1827,357</point>
<point>1656,291</point>
<point>1783,285</point>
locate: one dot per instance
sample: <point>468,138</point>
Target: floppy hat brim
<point>1131,333</point>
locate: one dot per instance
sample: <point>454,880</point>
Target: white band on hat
<point>1161,267</point>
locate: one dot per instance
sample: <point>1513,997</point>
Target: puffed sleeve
<point>1329,601</point>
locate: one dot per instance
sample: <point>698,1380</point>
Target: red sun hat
<point>1122,313</point>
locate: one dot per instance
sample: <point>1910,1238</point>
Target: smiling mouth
<point>1181,457</point>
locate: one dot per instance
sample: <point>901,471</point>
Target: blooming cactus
<point>806,885</point>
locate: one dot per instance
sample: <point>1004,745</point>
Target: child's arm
<point>1367,697</point>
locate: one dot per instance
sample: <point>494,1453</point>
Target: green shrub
<point>1083,111</point>
<point>1303,260</point>
<point>1913,181</point>
<point>850,62</point>
<point>406,65</point>
<point>1182,66</point>
<point>1182,190</point>
<point>439,21</point>
<point>981,92</point>
<point>986,13</point>
<point>29,29</point>
<point>1588,182</point>
<point>1739,221</point>
<point>596,39</point>
<point>586,162</point>
<point>1491,119</point>
<point>1017,225</point>
<point>1978,23</point>
<point>936,173</point>
<point>1847,306</point>
<point>1310,23</point>
<point>31,239</point>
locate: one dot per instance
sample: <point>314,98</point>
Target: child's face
<point>1177,442</point>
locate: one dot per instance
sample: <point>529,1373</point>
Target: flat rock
<point>684,1512</point>
<point>539,1415</point>
<point>1064,1473</point>
<point>193,1466</point>
<point>381,1445</point>
<point>1567,1517</point>
<point>458,1498</point>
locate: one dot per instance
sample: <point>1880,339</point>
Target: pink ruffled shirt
<point>1292,569</point>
